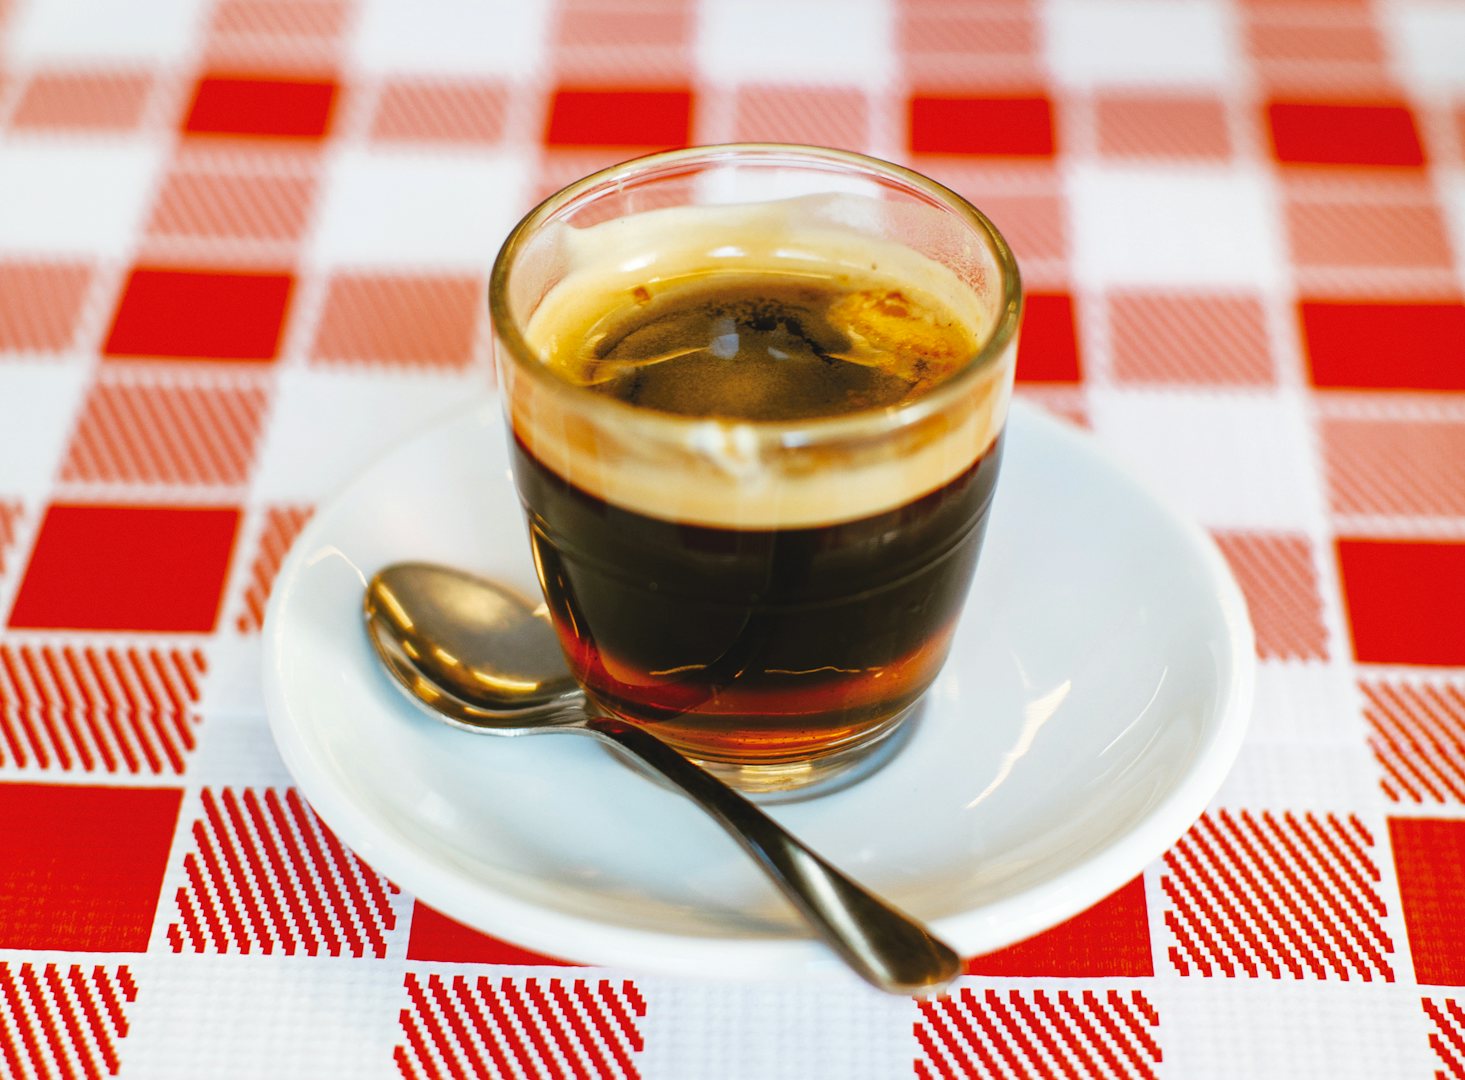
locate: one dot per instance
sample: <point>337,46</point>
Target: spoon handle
<point>884,946</point>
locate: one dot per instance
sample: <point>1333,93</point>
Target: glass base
<point>793,781</point>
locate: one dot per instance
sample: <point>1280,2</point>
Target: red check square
<point>1143,126</point>
<point>828,116</point>
<point>1110,939</point>
<point>1287,38</point>
<point>1279,895</point>
<point>1048,348</point>
<point>453,112</point>
<point>200,314</point>
<point>81,867</point>
<point>1404,600</point>
<point>1309,133</point>
<point>1429,856</point>
<point>142,430</point>
<point>413,320</point>
<point>1416,730</point>
<point>12,513</point>
<point>623,26</point>
<point>127,568</point>
<point>41,305</point>
<point>1189,338</point>
<point>942,44</point>
<point>434,936</point>
<point>1354,230</point>
<point>1277,577</point>
<point>993,126</point>
<point>224,205</point>
<point>94,101</point>
<point>1405,467</point>
<point>280,23</point>
<point>599,42</point>
<point>275,108</point>
<point>644,117</point>
<point>1033,215</point>
<point>1034,224</point>
<point>1384,346</point>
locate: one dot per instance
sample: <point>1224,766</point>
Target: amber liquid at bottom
<point>756,646</point>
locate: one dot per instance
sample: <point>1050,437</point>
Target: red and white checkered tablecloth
<point>243,248</point>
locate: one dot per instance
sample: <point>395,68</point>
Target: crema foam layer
<point>881,324</point>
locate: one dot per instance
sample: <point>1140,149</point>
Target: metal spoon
<point>481,659</point>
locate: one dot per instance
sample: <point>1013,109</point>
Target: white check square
<point>1429,41</point>
<point>388,209</point>
<point>1235,461</point>
<point>795,41</point>
<point>1266,1029</point>
<point>104,30</point>
<point>1140,42</point>
<point>73,198</point>
<point>328,425</point>
<point>1174,227</point>
<point>36,412</point>
<point>448,37</point>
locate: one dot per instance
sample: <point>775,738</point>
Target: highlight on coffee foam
<point>739,473</point>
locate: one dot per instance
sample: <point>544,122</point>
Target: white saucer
<point>1096,694</point>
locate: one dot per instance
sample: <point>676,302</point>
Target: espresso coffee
<point>751,618</point>
<point>767,346</point>
<point>756,645</point>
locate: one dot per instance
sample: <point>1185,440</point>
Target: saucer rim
<point>973,932</point>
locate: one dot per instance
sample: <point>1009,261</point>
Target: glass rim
<point>811,430</point>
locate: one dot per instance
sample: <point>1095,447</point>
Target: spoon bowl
<point>479,655</point>
<point>483,659</point>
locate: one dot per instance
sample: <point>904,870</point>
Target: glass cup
<point>768,584</point>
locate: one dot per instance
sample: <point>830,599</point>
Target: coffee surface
<point>731,322</point>
<point>765,345</point>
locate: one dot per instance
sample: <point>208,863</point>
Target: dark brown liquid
<point>759,645</point>
<point>756,644</point>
